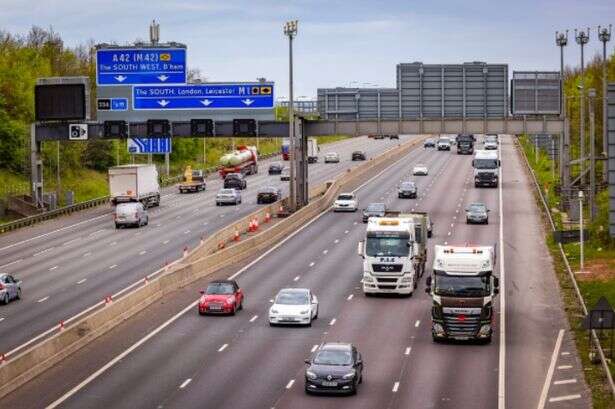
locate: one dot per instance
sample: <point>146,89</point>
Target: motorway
<point>183,360</point>
<point>71,263</point>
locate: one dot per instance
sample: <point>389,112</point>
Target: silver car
<point>130,214</point>
<point>332,157</point>
<point>10,288</point>
<point>228,196</point>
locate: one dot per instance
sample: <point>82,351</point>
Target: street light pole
<point>561,40</point>
<point>582,38</point>
<point>581,228</point>
<point>604,36</point>
<point>290,30</point>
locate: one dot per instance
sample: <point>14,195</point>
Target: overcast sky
<point>338,42</point>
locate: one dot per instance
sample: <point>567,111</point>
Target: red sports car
<point>221,297</point>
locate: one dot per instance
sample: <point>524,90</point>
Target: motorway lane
<point>66,272</point>
<point>293,259</point>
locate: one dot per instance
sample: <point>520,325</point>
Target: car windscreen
<point>478,208</point>
<point>226,192</point>
<point>385,246</point>
<point>268,190</point>
<point>331,357</point>
<point>375,207</point>
<point>444,140</point>
<point>461,286</point>
<point>292,298</point>
<point>408,185</point>
<point>485,163</point>
<point>345,197</point>
<point>220,288</point>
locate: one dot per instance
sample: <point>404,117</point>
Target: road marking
<point>178,217</point>
<point>166,242</point>
<point>452,224</point>
<point>42,252</point>
<point>290,384</point>
<point>449,233</point>
<point>565,353</point>
<point>185,383</point>
<point>142,252</point>
<point>545,386</point>
<point>96,232</point>
<point>222,215</point>
<point>350,297</point>
<point>395,387</point>
<point>70,241</point>
<point>345,231</point>
<point>564,367</point>
<point>53,268</point>
<point>253,318</point>
<point>204,223</point>
<point>314,348</point>
<point>332,321</point>
<point>565,381</point>
<point>158,225</point>
<point>43,299</point>
<point>562,398</point>
<point>355,223</point>
<point>222,348</point>
<point>407,351</point>
<point>87,254</point>
<point>312,264</point>
<point>1,319</point>
<point>11,263</point>
<point>336,241</point>
<point>83,280</point>
<point>502,355</point>
<point>187,231</point>
<point>112,267</point>
<point>137,233</point>
<point>113,243</point>
<point>417,323</point>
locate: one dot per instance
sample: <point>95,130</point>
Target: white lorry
<point>312,150</point>
<point>394,253</point>
<point>486,166</point>
<point>134,183</point>
<point>462,288</point>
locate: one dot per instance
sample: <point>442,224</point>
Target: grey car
<point>10,288</point>
<point>130,214</point>
<point>477,213</point>
<point>374,210</point>
<point>334,367</point>
<point>228,196</point>
<point>407,189</point>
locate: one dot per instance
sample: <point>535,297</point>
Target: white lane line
<point>565,381</point>
<point>332,321</point>
<point>112,267</point>
<point>95,233</point>
<point>222,215</point>
<point>185,383</point>
<point>545,386</point>
<point>395,387</point>
<point>290,384</point>
<point>1,319</point>
<point>83,280</point>
<point>253,318</point>
<point>563,398</point>
<point>137,233</point>
<point>142,252</point>
<point>325,251</point>
<point>449,233</point>
<point>70,241</point>
<point>43,299</point>
<point>407,351</point>
<point>345,231</point>
<point>11,263</point>
<point>336,241</point>
<point>87,254</point>
<point>178,217</point>
<point>314,348</point>
<point>312,264</point>
<point>222,348</point>
<point>563,367</point>
<point>205,223</point>
<point>158,225</point>
<point>350,297</point>
<point>42,252</point>
<point>565,353</point>
<point>187,232</point>
<point>53,268</point>
<point>417,323</point>
<point>502,355</point>
<point>166,242</point>
<point>296,278</point>
<point>113,243</point>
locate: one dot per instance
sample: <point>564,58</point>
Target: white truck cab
<point>486,166</point>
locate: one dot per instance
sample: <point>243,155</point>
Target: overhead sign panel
<point>132,66</point>
<point>204,96</point>
<point>149,145</point>
<point>112,104</point>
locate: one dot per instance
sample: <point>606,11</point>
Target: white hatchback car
<point>420,170</point>
<point>296,306</point>
<point>346,202</point>
<point>332,157</point>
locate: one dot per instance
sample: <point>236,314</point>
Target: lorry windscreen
<point>485,163</point>
<point>387,246</point>
<point>462,286</point>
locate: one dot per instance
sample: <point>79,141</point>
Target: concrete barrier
<point>200,262</point>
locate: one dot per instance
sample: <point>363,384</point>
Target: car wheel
<point>487,221</point>
<point>234,310</point>
<point>309,324</point>
<point>361,378</point>
<point>5,300</point>
<point>18,296</point>
<point>429,234</point>
<point>467,221</point>
<point>353,391</point>
<point>316,315</point>
<point>241,303</point>
<point>146,221</point>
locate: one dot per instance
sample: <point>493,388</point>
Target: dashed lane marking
<point>407,351</point>
<point>1,319</point>
<point>296,278</point>
<point>42,252</point>
<point>11,263</point>
<point>43,299</point>
<point>83,280</point>
<point>254,318</point>
<point>312,264</point>
<point>417,323</point>
<point>71,241</point>
<point>350,297</point>
<point>345,231</point>
<point>112,267</point>
<point>87,254</point>
<point>563,398</point>
<point>187,232</point>
<point>325,251</point>
<point>53,268</point>
<point>290,384</point>
<point>565,381</point>
<point>113,243</point>
<point>336,241</point>
<point>564,367</point>
<point>332,322</point>
<point>395,387</point>
<point>222,348</point>
<point>314,348</point>
<point>96,232</point>
<point>142,252</point>
<point>166,242</point>
<point>185,383</point>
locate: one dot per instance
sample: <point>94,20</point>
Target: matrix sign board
<point>131,66</point>
<point>60,102</point>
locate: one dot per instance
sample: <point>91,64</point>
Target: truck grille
<point>387,268</point>
<point>385,280</point>
<point>485,175</point>
<point>461,325</point>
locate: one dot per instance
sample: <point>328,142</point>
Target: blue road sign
<point>204,96</point>
<point>112,104</point>
<point>139,146</point>
<point>132,66</point>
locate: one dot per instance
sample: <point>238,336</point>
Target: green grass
<point>599,259</point>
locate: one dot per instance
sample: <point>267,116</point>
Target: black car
<point>407,189</point>
<point>358,155</point>
<point>374,210</point>
<point>393,136</point>
<point>378,136</point>
<point>275,168</point>
<point>268,194</point>
<point>235,181</point>
<point>429,143</point>
<point>477,213</point>
<point>334,368</point>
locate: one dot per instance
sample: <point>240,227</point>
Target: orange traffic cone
<point>236,237</point>
<point>267,217</point>
<point>255,223</point>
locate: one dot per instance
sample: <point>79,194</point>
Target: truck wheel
<point>117,226</point>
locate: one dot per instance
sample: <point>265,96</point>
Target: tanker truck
<point>244,160</point>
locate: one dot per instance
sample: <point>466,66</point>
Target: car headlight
<point>304,312</point>
<point>406,279</point>
<point>368,278</point>
<point>272,311</point>
<point>350,375</point>
<point>310,374</point>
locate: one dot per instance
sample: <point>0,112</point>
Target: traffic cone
<point>202,240</point>
<point>145,281</point>
<point>2,358</point>
<point>221,245</point>
<point>236,237</point>
<point>267,217</point>
<point>61,325</point>
<point>255,223</point>
<point>108,300</point>
<point>185,251</point>
<point>251,226</point>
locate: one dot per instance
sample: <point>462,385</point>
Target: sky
<point>340,43</point>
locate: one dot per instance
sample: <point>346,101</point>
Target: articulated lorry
<point>134,183</point>
<point>486,166</point>
<point>465,144</point>
<point>312,150</point>
<point>462,288</point>
<point>394,253</point>
<point>244,160</point>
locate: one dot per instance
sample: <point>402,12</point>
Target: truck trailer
<point>134,183</point>
<point>244,160</point>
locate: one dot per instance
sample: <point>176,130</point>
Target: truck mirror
<point>499,163</point>
<point>427,290</point>
<point>428,281</point>
<point>472,163</point>
<point>496,290</point>
<point>408,243</point>
<point>496,282</point>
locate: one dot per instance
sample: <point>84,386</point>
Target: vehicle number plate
<point>215,307</point>
<point>328,383</point>
<point>462,338</point>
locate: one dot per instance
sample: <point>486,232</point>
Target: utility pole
<point>58,177</point>
<point>581,229</point>
<point>604,36</point>
<point>582,38</point>
<point>290,30</point>
<point>154,38</point>
<point>561,40</point>
<point>592,154</point>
